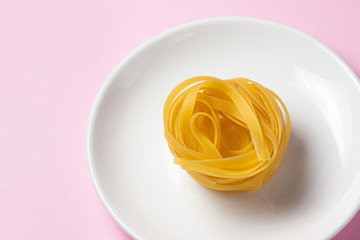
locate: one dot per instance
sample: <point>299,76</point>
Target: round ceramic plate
<point>314,193</point>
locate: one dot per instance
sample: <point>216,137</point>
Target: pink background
<point>54,57</point>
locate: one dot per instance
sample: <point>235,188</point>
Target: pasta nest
<point>229,135</point>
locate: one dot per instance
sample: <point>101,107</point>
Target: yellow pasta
<point>229,135</point>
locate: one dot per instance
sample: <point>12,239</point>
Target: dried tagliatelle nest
<point>229,135</point>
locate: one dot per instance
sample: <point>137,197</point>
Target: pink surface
<point>54,57</point>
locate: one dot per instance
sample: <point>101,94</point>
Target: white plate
<point>317,188</point>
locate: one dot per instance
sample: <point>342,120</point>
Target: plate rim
<point>158,37</point>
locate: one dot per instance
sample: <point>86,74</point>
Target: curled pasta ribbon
<point>229,135</point>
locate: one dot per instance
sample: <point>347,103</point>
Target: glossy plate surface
<point>314,193</point>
